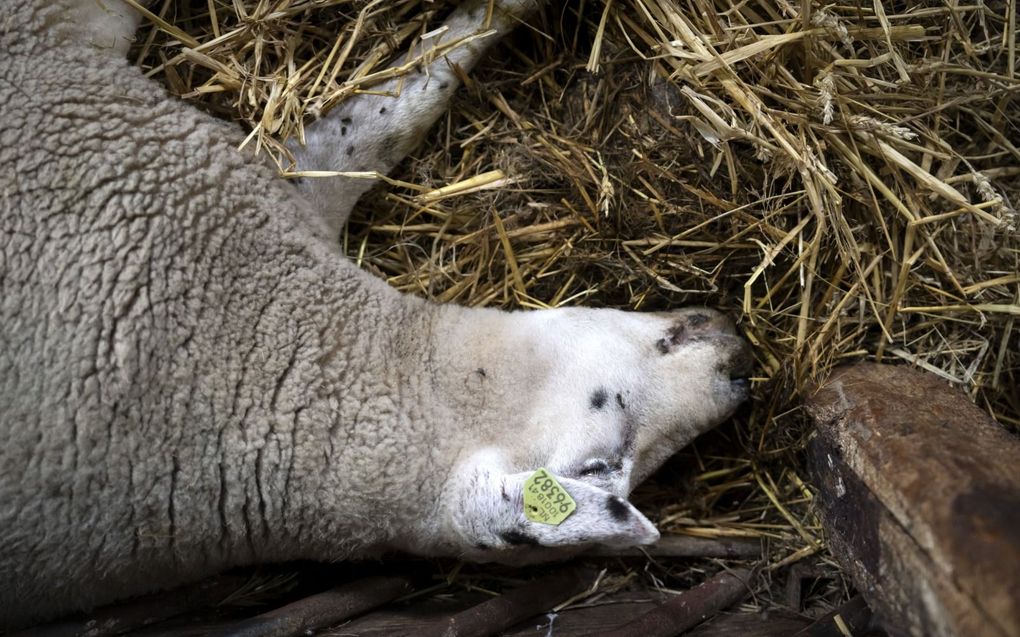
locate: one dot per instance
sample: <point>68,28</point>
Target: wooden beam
<point>322,609</point>
<point>499,613</point>
<point>689,608</point>
<point>920,498</point>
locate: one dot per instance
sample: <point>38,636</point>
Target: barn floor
<point>423,598</point>
<point>591,595</point>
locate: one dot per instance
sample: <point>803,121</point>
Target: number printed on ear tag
<point>545,500</point>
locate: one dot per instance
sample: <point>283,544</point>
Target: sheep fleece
<point>175,351</point>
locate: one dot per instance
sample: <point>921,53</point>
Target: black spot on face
<point>629,437</point>
<point>343,131</point>
<point>617,508</point>
<point>598,398</point>
<point>392,149</point>
<point>443,85</point>
<point>619,401</point>
<point>382,111</point>
<point>677,335</point>
<point>696,320</point>
<point>517,538</point>
<point>345,120</point>
<point>350,150</point>
<point>480,371</point>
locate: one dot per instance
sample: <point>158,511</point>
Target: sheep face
<point>596,398</point>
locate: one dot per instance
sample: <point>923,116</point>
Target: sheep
<point>193,378</point>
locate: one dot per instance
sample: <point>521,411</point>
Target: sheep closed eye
<point>598,467</point>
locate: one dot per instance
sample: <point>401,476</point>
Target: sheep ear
<point>491,513</point>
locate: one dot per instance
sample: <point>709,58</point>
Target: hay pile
<point>843,177</point>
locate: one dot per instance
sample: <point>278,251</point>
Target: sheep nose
<point>741,360</point>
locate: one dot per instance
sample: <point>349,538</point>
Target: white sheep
<point>193,378</point>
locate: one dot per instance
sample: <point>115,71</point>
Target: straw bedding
<point>842,177</point>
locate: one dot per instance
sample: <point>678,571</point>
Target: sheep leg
<point>372,133</point>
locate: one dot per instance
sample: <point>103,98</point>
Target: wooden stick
<point>852,617</point>
<point>500,613</point>
<point>141,612</point>
<point>687,546</point>
<point>919,492</point>
<point>689,608</point>
<point>323,609</point>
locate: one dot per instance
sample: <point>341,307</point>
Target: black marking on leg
<point>444,85</point>
<point>481,372</point>
<point>662,345</point>
<point>345,120</point>
<point>482,546</point>
<point>350,150</point>
<point>382,111</point>
<point>343,131</point>
<point>517,538</point>
<point>598,398</point>
<point>619,401</point>
<point>617,508</point>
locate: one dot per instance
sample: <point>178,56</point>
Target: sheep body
<point>192,378</point>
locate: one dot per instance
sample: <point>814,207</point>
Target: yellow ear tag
<point>545,500</point>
